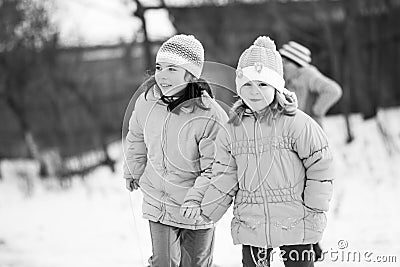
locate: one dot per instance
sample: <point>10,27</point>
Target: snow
<point>96,222</point>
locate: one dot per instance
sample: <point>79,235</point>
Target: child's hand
<point>132,184</point>
<point>191,210</point>
<point>289,96</point>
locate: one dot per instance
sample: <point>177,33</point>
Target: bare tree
<point>25,30</point>
<point>140,13</point>
<point>333,45</point>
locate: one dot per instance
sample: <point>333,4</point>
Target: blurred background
<point>69,68</point>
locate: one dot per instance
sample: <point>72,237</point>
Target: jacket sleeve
<point>313,149</point>
<point>224,182</point>
<point>327,90</point>
<point>207,156</point>
<point>135,151</point>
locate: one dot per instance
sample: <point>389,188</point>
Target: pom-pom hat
<point>261,62</point>
<point>184,51</point>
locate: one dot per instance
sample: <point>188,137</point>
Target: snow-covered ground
<point>96,222</point>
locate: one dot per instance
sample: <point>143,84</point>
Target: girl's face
<point>257,94</point>
<point>170,78</point>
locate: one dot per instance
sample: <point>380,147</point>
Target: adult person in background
<point>315,92</point>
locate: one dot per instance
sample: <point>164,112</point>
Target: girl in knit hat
<point>274,160</point>
<point>169,148</point>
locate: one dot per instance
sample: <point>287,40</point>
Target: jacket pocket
<point>314,222</point>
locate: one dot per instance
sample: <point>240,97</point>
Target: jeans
<point>178,247</point>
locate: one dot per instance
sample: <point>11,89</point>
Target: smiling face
<point>257,94</point>
<point>170,78</point>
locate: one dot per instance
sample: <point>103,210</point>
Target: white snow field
<point>96,222</point>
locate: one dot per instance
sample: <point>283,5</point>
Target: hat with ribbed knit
<point>184,51</point>
<point>297,53</point>
<point>260,62</point>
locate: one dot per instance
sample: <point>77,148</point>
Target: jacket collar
<point>156,95</point>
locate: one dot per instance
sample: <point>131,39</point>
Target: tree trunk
<point>352,76</point>
<point>334,55</point>
<point>140,10</point>
<point>91,110</point>
<point>31,143</point>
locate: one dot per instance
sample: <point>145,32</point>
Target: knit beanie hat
<point>260,62</point>
<point>184,51</point>
<point>297,53</point>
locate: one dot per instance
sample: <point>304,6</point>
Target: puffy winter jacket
<point>168,153</point>
<point>278,169</point>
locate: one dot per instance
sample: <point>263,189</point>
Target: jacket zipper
<point>164,143</point>
<point>164,166</point>
<point>266,210</point>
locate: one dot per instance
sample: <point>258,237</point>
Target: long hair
<point>282,103</point>
<point>191,96</point>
